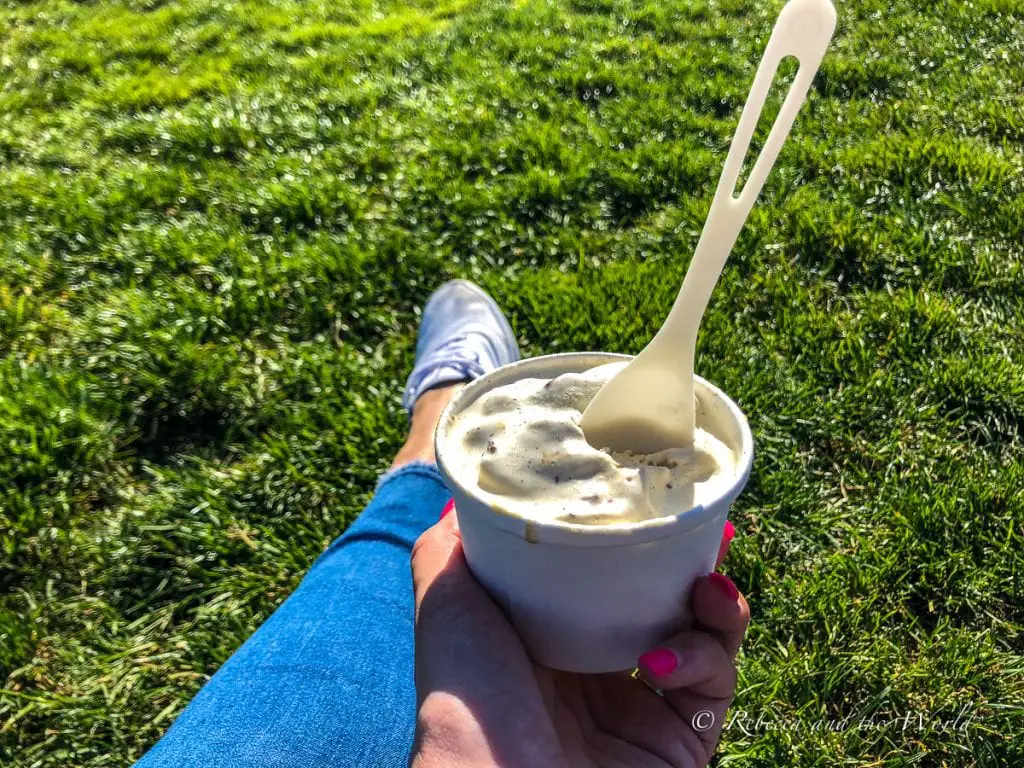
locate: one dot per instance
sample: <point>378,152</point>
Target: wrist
<point>448,736</point>
<point>451,734</point>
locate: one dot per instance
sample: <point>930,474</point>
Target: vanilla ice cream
<point>522,447</point>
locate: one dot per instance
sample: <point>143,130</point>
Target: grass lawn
<point>218,218</point>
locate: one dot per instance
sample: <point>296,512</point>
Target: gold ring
<point>636,674</point>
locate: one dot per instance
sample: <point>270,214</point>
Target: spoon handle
<point>803,30</point>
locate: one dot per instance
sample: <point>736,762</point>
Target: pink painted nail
<point>447,508</point>
<point>729,532</point>
<point>660,661</point>
<point>724,585</point>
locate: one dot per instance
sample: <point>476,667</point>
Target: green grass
<point>217,220</point>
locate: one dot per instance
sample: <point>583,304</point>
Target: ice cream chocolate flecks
<point>522,447</point>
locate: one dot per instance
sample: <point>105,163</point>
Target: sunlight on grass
<point>218,219</point>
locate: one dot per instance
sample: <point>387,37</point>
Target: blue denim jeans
<point>328,679</point>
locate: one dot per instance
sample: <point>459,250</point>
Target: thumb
<point>475,685</point>
<point>464,643</point>
<point>437,561</point>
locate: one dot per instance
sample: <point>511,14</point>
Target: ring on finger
<point>636,674</point>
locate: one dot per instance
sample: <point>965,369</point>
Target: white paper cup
<point>593,598</point>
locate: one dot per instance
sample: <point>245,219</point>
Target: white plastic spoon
<point>649,405</point>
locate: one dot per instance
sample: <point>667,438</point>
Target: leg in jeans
<point>328,679</point>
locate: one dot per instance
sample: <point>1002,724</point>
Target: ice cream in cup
<point>591,554</point>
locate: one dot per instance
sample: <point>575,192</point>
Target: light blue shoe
<point>462,336</point>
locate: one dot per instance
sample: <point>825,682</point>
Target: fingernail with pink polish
<point>659,662</point>
<point>447,508</point>
<point>724,585</point>
<point>729,532</point>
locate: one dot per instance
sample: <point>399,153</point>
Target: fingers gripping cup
<point>592,555</point>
